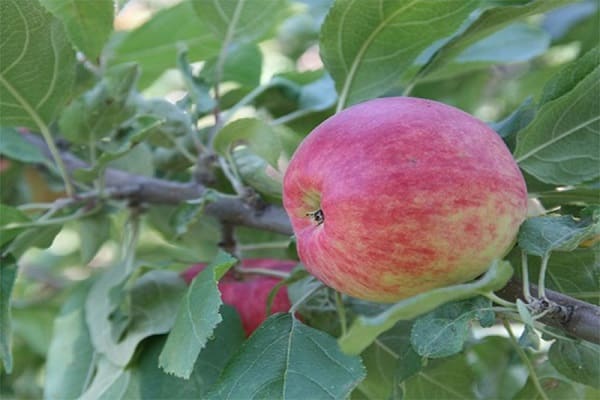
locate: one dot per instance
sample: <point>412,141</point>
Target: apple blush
<point>397,196</point>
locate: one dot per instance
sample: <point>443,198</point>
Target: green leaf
<point>366,49</point>
<point>188,213</point>
<point>243,64</point>
<point>10,220</point>
<point>499,373</point>
<point>490,21</point>
<point>148,381</point>
<point>70,358</point>
<point>37,66</point>
<point>389,361</point>
<point>198,89</point>
<point>196,319</point>
<point>154,299</point>
<point>93,232</point>
<point>239,21</point>
<point>365,330</point>
<point>443,331</point>
<point>450,378</point>
<point>176,122</point>
<point>14,146</point>
<point>555,386</point>
<point>88,23</point>
<point>541,235</point>
<point>168,31</point>
<point>256,134</point>
<point>515,122</point>
<point>561,145</point>
<point>110,382</point>
<point>286,359</point>
<point>8,274</point>
<point>100,111</point>
<point>39,236</point>
<point>579,361</point>
<point>257,173</point>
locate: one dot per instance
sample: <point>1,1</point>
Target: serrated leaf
<point>257,135</point>
<point>153,300</point>
<point>561,145</point>
<point>88,23</point>
<point>70,357</point>
<point>148,381</point>
<point>541,235</point>
<point>449,378</point>
<point>367,47</point>
<point>168,31</point>
<point>365,330</point>
<point>8,274</point>
<point>14,146</point>
<point>286,359</point>
<point>196,319</point>
<point>11,219</point>
<point>37,65</point>
<point>443,331</point>
<point>579,361</point>
<point>490,21</point>
<point>93,232</point>
<point>389,361</point>
<point>239,20</point>
<point>99,112</point>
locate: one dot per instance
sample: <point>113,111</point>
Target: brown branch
<point>582,320</point>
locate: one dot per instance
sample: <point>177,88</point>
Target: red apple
<point>248,295</point>
<point>397,196</point>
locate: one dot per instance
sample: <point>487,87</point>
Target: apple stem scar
<point>317,216</point>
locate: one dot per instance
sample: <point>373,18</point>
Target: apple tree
<point>144,248</point>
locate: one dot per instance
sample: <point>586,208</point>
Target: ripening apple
<point>397,196</point>
<point>248,293</point>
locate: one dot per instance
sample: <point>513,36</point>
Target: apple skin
<point>414,195</point>
<point>249,296</point>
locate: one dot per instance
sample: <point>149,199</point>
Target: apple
<point>248,293</point>
<point>396,196</point>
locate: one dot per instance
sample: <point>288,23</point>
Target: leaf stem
<point>263,271</point>
<point>525,273</point>
<point>254,93</point>
<point>341,311</point>
<point>291,116</point>
<point>525,359</point>
<point>493,297</point>
<point>542,276</point>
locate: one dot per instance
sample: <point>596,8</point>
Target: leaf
<point>153,300</point>
<point>99,112</point>
<point>110,382</point>
<point>365,329</point>
<point>561,145</point>
<point>579,361</point>
<point>39,236</point>
<point>188,213</point>
<point>148,381</point>
<point>490,21</point>
<point>257,173</point>
<point>88,23</point>
<point>555,386</point>
<point>196,319</point>
<point>499,373</point>
<point>10,220</point>
<point>389,361</point>
<point>515,122</point>
<point>443,331</point>
<point>70,358</point>
<point>198,89</point>
<point>93,232</point>
<point>541,235</point>
<point>8,274</point>
<point>239,20</point>
<point>450,378</point>
<point>367,47</point>
<point>243,64</point>
<point>14,146</point>
<point>37,66</point>
<point>260,138</point>
<point>168,31</point>
<point>286,359</point>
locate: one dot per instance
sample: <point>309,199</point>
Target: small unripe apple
<point>248,293</point>
<point>397,196</point>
